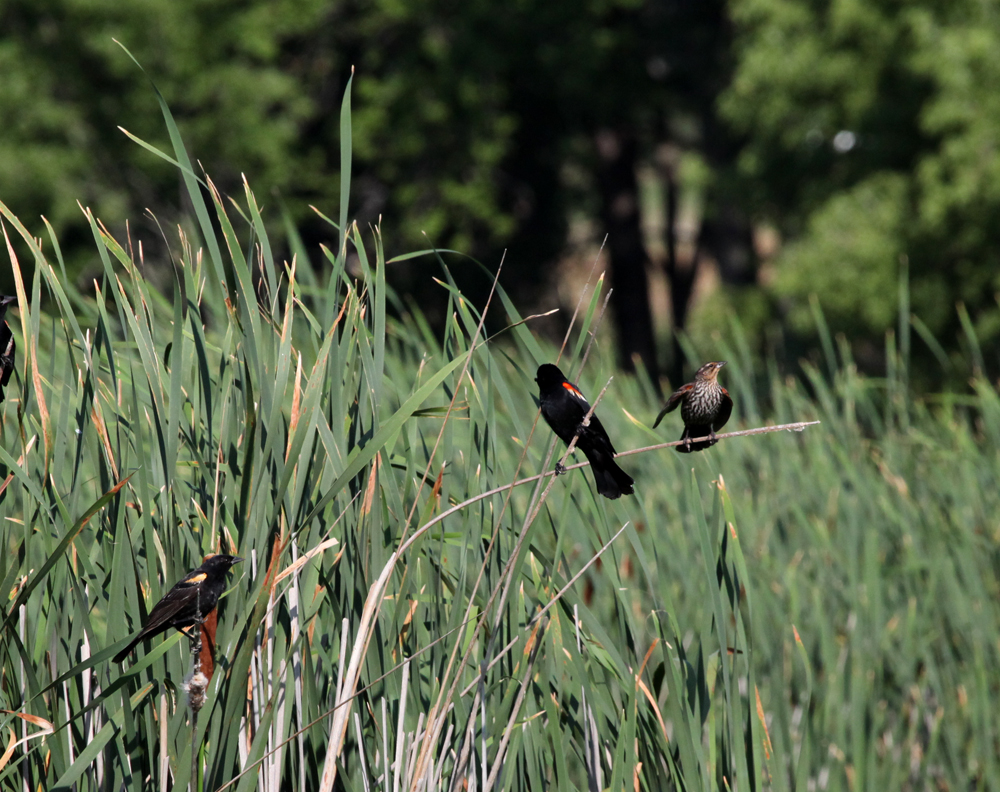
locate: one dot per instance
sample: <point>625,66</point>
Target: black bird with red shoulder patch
<point>705,407</point>
<point>188,602</point>
<point>564,408</point>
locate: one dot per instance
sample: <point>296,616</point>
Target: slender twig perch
<point>195,684</point>
<point>791,427</point>
<point>504,587</point>
<point>449,686</point>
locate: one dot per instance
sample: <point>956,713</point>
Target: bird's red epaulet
<point>572,389</point>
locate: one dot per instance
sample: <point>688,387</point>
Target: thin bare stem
<point>516,709</point>
<point>791,427</point>
<point>435,719</point>
<point>533,512</point>
<point>507,578</point>
<point>579,302</point>
<point>374,602</point>
<point>576,577</point>
<point>593,333</point>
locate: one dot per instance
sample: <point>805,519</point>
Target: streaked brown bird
<point>705,407</point>
<point>6,346</point>
<point>188,603</point>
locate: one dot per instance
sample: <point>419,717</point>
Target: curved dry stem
<point>435,719</point>
<point>791,427</point>
<point>593,333</point>
<point>504,587</point>
<point>583,294</point>
<point>373,603</point>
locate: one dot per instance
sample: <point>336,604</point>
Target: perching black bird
<point>705,407</point>
<point>6,346</point>
<point>188,602</point>
<point>564,407</point>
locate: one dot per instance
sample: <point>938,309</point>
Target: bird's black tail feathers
<point>120,657</point>
<point>612,482</point>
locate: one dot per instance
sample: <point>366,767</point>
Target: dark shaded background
<point>741,157</point>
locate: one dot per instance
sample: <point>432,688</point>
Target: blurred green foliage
<point>223,68</point>
<point>871,135</point>
<point>255,87</point>
<point>849,255</point>
<point>864,133</point>
<point>475,121</point>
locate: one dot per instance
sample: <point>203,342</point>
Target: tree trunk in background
<point>726,231</point>
<point>617,152</point>
<point>680,279</point>
<point>727,236</point>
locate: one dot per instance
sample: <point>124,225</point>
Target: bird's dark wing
<point>597,436</point>
<point>163,616</point>
<point>165,612</point>
<point>595,432</point>
<point>6,353</point>
<point>725,410</point>
<point>180,598</point>
<point>672,403</point>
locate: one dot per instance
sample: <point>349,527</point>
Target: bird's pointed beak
<point>237,560</point>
